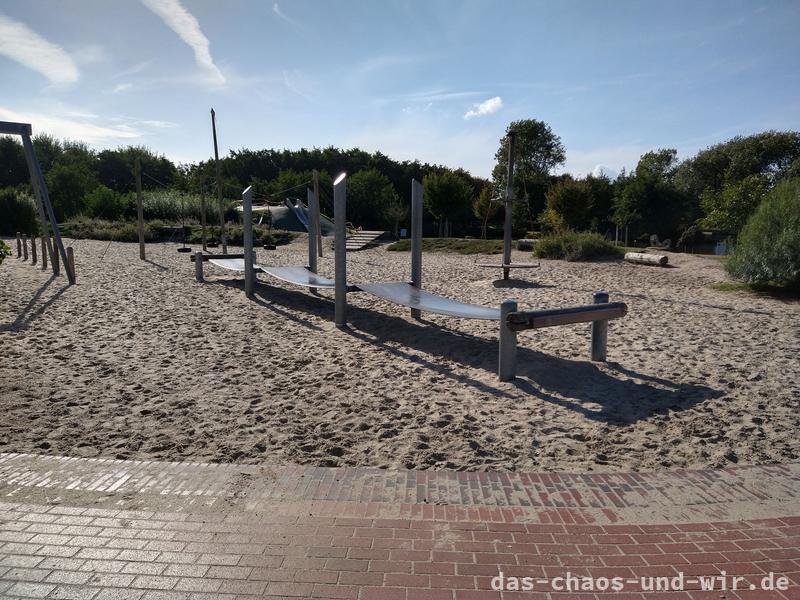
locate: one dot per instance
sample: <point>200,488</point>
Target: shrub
<point>17,213</point>
<point>576,246</point>
<point>105,202</point>
<point>454,245</point>
<point>768,248</point>
<point>4,251</point>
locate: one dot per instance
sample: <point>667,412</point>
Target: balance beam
<point>512,321</point>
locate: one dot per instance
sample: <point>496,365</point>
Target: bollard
<point>33,250</point>
<point>71,260</point>
<point>44,254</point>
<point>599,330</point>
<point>507,361</point>
<point>198,266</point>
<point>19,245</point>
<point>56,259</point>
<point>24,246</point>
<point>340,256</point>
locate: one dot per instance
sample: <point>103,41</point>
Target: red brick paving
<point>77,528</point>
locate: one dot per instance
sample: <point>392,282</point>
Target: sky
<point>434,80</point>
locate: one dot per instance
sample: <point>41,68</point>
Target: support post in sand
<point>137,172</point>
<point>313,208</point>
<point>512,137</point>
<point>247,217</point>
<point>599,330</point>
<point>203,221</point>
<point>56,262</point>
<point>24,246</point>
<point>222,237</point>
<point>19,245</point>
<point>416,240</point>
<point>33,250</point>
<point>317,218</point>
<point>198,266</point>
<point>44,253</point>
<point>71,263</point>
<point>507,360</point>
<point>340,254</point>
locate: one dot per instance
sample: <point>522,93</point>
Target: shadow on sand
<point>612,394</point>
<point>30,312</point>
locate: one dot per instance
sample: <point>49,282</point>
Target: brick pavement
<point>101,529</point>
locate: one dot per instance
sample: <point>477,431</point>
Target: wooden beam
<point>7,127</point>
<point>519,321</point>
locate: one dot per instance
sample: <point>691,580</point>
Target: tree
<point>369,197</point>
<point>485,206</point>
<point>572,201</point>
<point>68,186</point>
<point>13,168</point>
<point>729,209</point>
<point>447,196</point>
<point>397,213</point>
<point>105,203</point>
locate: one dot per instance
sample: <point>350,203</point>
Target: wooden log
<point>44,254</point>
<point>518,321</point>
<point>24,246</point>
<point>56,259</point>
<point>71,261</point>
<point>647,259</point>
<point>19,245</point>
<point>34,258</point>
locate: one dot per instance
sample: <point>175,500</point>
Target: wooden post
<point>24,246</point>
<point>247,216</point>
<point>313,205</point>
<point>203,220</point>
<point>317,217</point>
<point>222,237</point>
<point>599,330</point>
<point>44,253</point>
<point>19,245</point>
<point>198,266</point>
<point>137,172</point>
<point>416,240</point>
<point>71,264</point>
<point>56,261</point>
<point>507,359</point>
<point>340,254</point>
<point>512,136</point>
<point>39,189</point>
<point>33,250</point>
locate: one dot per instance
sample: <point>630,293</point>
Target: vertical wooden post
<point>198,266</point>
<point>19,245</point>
<point>223,238</point>
<point>340,254</point>
<point>137,171</point>
<point>599,330</point>
<point>203,220</point>
<point>416,240</point>
<point>313,205</point>
<point>33,250</point>
<point>507,359</point>
<point>24,246</point>
<point>39,189</point>
<point>56,262</point>
<point>512,136</point>
<point>247,216</point>
<point>71,264</point>
<point>44,253</point>
<point>317,217</point>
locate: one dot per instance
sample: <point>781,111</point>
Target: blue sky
<point>437,80</point>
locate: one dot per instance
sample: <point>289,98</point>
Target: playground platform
<point>103,529</point>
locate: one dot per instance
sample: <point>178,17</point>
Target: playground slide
<point>299,211</point>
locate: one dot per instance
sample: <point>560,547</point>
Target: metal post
<point>317,218</point>
<point>416,240</point>
<point>137,172</point>
<point>33,250</point>
<point>19,245</point>
<point>512,136</point>
<point>44,253</point>
<point>507,360</point>
<point>599,330</point>
<point>71,264</point>
<point>24,246</point>
<point>247,216</point>
<point>222,237</point>
<point>312,235</point>
<point>340,254</point>
<point>198,266</point>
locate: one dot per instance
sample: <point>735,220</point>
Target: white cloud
<point>20,43</point>
<point>182,22</point>
<point>137,68</point>
<point>487,107</point>
<point>121,87</point>
<point>601,170</point>
<point>277,10</point>
<point>160,124</point>
<point>72,128</point>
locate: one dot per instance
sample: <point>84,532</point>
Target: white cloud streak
<point>487,107</point>
<point>72,128</point>
<point>182,22</point>
<point>20,43</point>
<point>283,16</point>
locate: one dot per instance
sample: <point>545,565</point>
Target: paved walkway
<point>103,529</point>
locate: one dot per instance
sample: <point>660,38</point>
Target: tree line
<point>719,188</point>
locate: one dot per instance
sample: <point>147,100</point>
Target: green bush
<point>576,246</point>
<point>116,231</point>
<point>454,245</point>
<point>768,248</point>
<point>235,235</point>
<point>17,213</point>
<point>106,203</point>
<point>4,251</point>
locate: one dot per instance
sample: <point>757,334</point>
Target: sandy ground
<point>140,361</point>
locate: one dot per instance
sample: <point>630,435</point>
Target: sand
<point>140,361</point>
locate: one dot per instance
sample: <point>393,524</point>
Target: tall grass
<point>576,246</point>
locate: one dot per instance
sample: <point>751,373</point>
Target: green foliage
<point>572,202</point>
<point>574,246</point>
<point>13,168</point>
<point>452,245</point>
<point>106,203</point>
<point>17,213</point>
<point>235,234</point>
<point>485,206</point>
<point>447,195</point>
<point>5,251</point>
<point>369,197</point>
<point>768,248</point>
<point>68,186</point>
<point>729,209</point>
<point>101,229</point>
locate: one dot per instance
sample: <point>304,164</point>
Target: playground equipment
<point>44,208</point>
<point>411,294</point>
<point>508,205</point>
